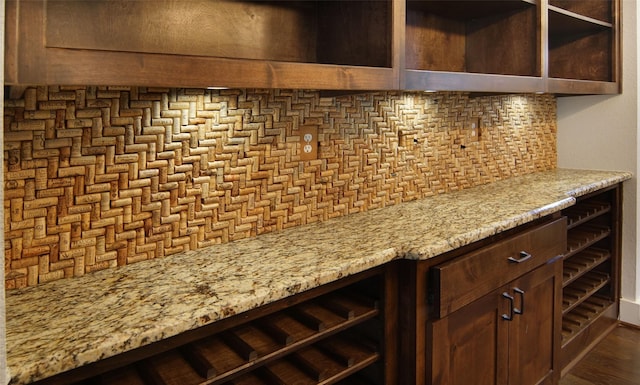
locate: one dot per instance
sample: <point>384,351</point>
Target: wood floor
<point>614,361</point>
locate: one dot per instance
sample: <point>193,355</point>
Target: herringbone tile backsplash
<point>97,177</point>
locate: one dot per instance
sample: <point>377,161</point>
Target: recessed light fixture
<point>430,91</point>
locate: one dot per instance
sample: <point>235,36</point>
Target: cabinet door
<point>469,346</point>
<point>509,336</point>
<point>534,333</point>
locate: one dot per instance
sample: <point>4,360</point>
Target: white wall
<point>601,132</point>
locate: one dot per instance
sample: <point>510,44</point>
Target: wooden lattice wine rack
<point>591,272</point>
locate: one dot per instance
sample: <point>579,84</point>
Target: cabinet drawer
<point>469,277</point>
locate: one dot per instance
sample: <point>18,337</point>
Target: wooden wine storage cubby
<point>333,337</point>
<point>591,272</point>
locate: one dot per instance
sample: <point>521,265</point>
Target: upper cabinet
<point>226,43</point>
<point>583,46</point>
<point>463,45</point>
<point>559,46</point>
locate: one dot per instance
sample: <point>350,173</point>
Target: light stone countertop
<point>60,325</point>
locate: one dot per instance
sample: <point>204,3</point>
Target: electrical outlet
<point>473,128</point>
<point>308,143</point>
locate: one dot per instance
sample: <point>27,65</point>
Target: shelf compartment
<point>469,9</point>
<point>583,262</point>
<point>581,289</point>
<point>128,375</point>
<point>579,238</point>
<point>488,37</point>
<point>315,365</point>
<point>595,9</point>
<point>585,211</point>
<point>582,316</point>
<point>169,368</point>
<point>219,358</point>
<point>563,22</point>
<point>574,40</point>
<point>325,32</point>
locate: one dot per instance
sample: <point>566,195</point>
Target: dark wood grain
<point>466,279</point>
<point>477,345</point>
<point>338,45</point>
<point>596,9</point>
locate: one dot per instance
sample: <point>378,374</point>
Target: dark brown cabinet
<point>488,313</point>
<point>583,46</point>
<point>505,337</point>
<point>557,46</point>
<point>591,272</point>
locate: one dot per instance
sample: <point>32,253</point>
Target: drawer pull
<point>523,257</point>
<point>521,293</point>
<point>508,317</point>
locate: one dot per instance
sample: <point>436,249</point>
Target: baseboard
<point>630,312</point>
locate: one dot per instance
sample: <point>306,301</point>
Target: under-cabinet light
<point>217,88</point>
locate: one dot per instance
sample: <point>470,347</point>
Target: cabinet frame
<point>28,61</point>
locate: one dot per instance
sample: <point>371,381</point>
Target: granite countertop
<point>65,324</point>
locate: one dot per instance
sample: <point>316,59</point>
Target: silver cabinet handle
<point>508,317</point>
<point>521,293</point>
<point>523,256</point>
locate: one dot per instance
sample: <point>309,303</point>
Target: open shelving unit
<point>473,45</point>
<point>332,337</point>
<point>583,47</point>
<point>493,46</point>
<point>259,44</point>
<point>591,272</point>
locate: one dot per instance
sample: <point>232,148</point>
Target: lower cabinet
<point>340,333</point>
<point>488,314</point>
<point>505,337</point>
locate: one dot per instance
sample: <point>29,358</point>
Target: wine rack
<point>590,271</point>
<point>334,338</point>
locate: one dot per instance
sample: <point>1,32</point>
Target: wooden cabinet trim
<point>30,60</point>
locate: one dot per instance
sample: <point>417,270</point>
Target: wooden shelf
<point>328,363</point>
<point>583,262</point>
<point>584,212</point>
<point>583,288</point>
<point>582,32</point>
<point>570,24</point>
<point>470,37</point>
<point>581,237</point>
<point>583,316</point>
<point>601,10</point>
<point>468,9</point>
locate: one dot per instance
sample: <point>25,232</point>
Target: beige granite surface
<point>100,315</point>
